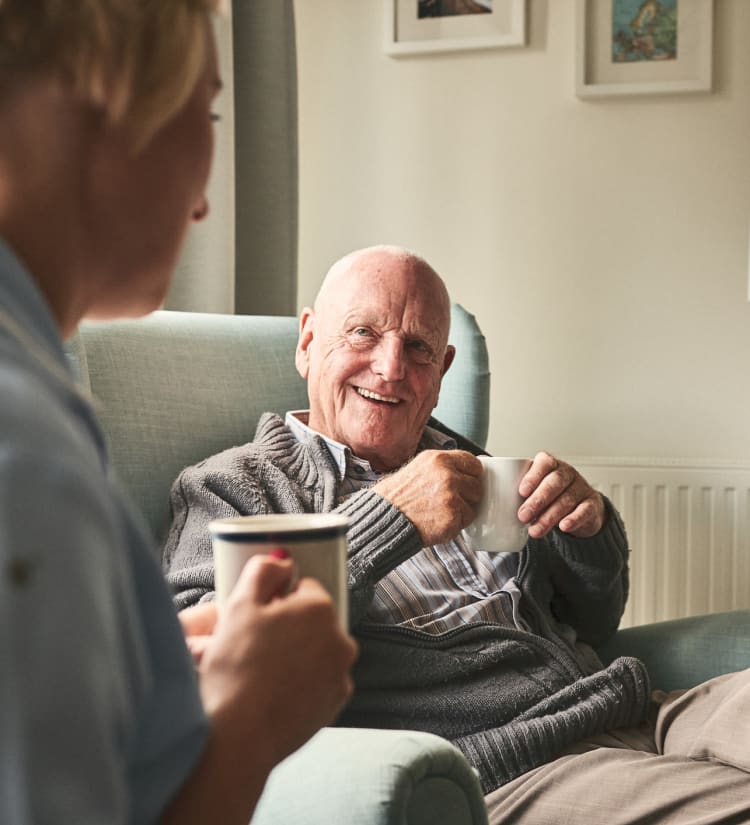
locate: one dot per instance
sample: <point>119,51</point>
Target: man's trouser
<point>689,764</point>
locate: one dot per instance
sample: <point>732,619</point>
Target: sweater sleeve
<point>617,696</point>
<point>590,579</point>
<point>380,537</point>
<point>188,555</point>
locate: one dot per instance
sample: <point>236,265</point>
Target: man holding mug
<point>494,651</point>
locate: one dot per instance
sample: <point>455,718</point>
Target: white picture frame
<point>406,34</point>
<point>605,66</point>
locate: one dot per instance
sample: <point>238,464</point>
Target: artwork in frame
<point>419,26</point>
<point>642,47</point>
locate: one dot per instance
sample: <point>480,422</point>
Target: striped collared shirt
<point>442,586</point>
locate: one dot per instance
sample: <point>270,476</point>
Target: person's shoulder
<point>49,419</point>
<point>55,490</point>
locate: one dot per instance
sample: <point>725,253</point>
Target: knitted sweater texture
<point>510,699</point>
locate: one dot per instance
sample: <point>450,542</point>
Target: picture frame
<point>503,24</point>
<point>663,48</point>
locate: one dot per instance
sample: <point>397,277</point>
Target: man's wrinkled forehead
<point>408,312</point>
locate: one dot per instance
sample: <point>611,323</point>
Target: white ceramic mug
<point>316,542</point>
<point>496,527</point>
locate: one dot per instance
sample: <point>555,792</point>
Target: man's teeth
<point>376,397</point>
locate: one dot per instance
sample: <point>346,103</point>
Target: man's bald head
<point>376,262</point>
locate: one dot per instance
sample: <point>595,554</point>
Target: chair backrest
<point>175,387</point>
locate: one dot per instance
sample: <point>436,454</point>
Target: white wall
<point>603,246</point>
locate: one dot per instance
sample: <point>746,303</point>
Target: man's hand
<point>558,496</point>
<point>438,491</point>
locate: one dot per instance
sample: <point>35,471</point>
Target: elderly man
<point>493,651</point>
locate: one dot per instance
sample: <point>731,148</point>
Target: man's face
<point>374,353</point>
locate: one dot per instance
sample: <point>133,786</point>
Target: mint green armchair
<point>174,388</point>
<point>682,653</point>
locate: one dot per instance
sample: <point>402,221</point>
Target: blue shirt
<point>443,586</point>
<point>100,715</point>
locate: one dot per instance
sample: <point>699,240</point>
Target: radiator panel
<point>687,525</point>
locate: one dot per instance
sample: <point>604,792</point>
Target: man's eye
<point>420,351</point>
<point>215,117</point>
<point>361,337</point>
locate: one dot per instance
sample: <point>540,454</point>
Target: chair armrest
<point>682,653</point>
<point>373,777</point>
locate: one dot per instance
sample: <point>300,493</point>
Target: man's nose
<point>388,360</point>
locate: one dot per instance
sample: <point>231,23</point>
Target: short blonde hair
<point>138,60</point>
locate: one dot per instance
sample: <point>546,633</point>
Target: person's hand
<point>438,491</point>
<point>557,495</point>
<point>276,668</point>
<point>198,623</point>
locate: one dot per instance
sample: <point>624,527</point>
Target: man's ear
<point>450,354</point>
<point>302,353</point>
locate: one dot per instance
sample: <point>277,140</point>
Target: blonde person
<point>105,147</point>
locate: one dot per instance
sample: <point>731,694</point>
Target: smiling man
<point>374,349</point>
<point>493,651</point>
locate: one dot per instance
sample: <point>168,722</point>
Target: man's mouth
<point>374,396</point>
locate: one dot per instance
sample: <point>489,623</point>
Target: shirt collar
<point>22,298</point>
<point>297,420</point>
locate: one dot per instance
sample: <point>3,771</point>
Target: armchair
<point>173,388</point>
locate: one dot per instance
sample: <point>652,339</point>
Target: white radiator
<point>689,531</point>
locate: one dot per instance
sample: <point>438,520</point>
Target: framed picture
<point>419,26</point>
<point>643,47</point>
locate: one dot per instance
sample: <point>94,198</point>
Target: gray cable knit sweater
<point>509,699</point>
